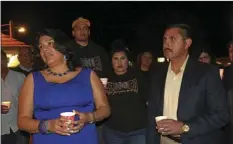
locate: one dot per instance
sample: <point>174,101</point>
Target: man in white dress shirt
<point>11,83</point>
<point>188,92</point>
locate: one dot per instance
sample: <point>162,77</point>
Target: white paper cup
<point>159,118</point>
<point>7,103</point>
<point>69,118</point>
<point>104,81</point>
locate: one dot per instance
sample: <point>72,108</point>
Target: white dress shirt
<point>11,87</point>
<point>171,96</point>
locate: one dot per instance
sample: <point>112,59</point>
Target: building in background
<point>11,46</point>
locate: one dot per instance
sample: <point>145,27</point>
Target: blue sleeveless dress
<point>50,99</point>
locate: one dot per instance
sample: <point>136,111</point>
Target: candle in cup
<point>7,103</point>
<point>104,81</point>
<point>69,118</point>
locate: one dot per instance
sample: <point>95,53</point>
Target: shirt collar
<point>25,69</point>
<point>182,67</point>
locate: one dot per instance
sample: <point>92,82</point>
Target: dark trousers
<point>114,137</point>
<point>14,138</point>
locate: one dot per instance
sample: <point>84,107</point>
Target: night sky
<point>141,24</point>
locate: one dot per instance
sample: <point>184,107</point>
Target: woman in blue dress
<point>61,87</point>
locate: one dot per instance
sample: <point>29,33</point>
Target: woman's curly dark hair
<point>60,45</point>
<point>119,45</point>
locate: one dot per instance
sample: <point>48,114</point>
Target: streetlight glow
<point>161,59</point>
<point>21,30</point>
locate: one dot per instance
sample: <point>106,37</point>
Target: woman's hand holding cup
<point>58,126</point>
<point>84,118</point>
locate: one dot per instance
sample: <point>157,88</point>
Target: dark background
<point>141,24</point>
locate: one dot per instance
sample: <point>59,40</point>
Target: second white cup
<point>159,118</point>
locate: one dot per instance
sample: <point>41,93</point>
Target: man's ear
<point>188,43</point>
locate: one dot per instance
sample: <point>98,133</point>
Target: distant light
<point>21,30</point>
<point>13,60</point>
<point>161,59</point>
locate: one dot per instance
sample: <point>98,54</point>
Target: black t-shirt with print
<point>92,56</point>
<point>126,98</point>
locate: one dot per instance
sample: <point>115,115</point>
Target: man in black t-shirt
<point>88,54</point>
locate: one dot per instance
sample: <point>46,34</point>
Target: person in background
<point>227,72</point>
<point>11,83</point>
<point>207,56</point>
<point>126,91</point>
<point>228,83</point>
<point>25,60</point>
<point>230,95</point>
<point>25,67</point>
<point>87,52</point>
<point>144,61</point>
<point>61,87</point>
<point>189,93</point>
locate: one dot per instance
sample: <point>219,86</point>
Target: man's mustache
<point>167,49</point>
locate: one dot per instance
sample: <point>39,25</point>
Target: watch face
<point>186,128</point>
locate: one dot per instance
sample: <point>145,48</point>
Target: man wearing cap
<point>87,53</point>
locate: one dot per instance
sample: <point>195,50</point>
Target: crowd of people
<point>194,101</point>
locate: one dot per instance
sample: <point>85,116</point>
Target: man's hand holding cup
<point>5,107</point>
<point>167,126</point>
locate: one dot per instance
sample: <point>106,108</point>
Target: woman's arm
<point>25,107</point>
<point>101,101</point>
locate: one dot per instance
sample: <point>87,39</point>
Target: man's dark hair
<point>185,29</point>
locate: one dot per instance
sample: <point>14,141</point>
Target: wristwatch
<point>185,128</point>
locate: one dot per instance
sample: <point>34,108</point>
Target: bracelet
<point>43,127</point>
<point>93,118</point>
